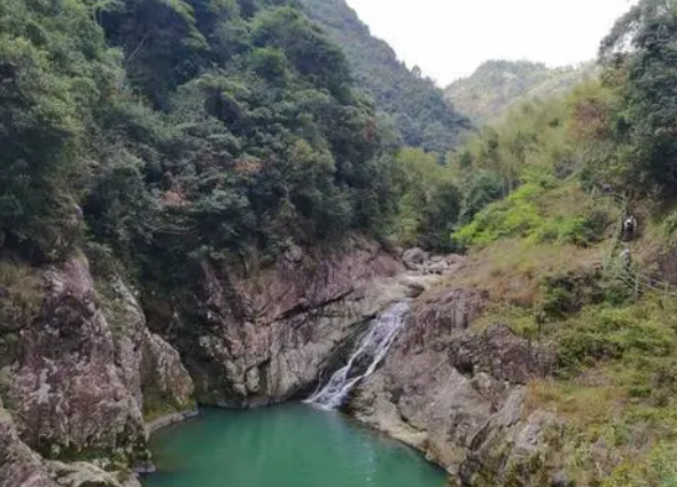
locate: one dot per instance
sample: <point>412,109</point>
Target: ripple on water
<point>286,446</point>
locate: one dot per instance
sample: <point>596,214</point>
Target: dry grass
<point>585,406</point>
<point>20,294</point>
<point>512,270</point>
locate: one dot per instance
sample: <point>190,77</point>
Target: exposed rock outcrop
<point>457,394</point>
<point>82,474</point>
<point>151,367</point>
<point>19,465</point>
<point>267,338</point>
<point>81,372</point>
<point>69,394</point>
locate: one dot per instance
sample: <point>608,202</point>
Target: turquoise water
<point>287,446</point>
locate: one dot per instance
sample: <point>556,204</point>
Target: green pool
<point>286,446</point>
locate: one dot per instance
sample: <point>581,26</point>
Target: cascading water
<point>373,347</point>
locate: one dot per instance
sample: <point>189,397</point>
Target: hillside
<point>497,85</point>
<point>412,103</point>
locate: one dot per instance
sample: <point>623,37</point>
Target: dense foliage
<point>409,102</point>
<point>171,127</point>
<point>640,58</point>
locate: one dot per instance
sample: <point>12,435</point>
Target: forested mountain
<point>409,101</point>
<point>178,127</point>
<point>497,85</point>
<point>173,129</point>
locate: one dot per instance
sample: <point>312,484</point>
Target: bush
<point>603,334</point>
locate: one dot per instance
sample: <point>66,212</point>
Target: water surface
<point>287,446</point>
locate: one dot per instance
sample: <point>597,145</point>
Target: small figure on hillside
<point>626,258</point>
<point>629,228</point>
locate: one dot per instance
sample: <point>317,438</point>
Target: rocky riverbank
<point>458,395</point>
<point>91,365</point>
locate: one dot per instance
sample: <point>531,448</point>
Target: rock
<point>294,255</point>
<point>66,386</point>
<point>19,466</point>
<point>169,419</point>
<point>457,395</point>
<point>164,375</point>
<point>438,268</point>
<point>561,479</point>
<point>81,474</point>
<point>88,368</point>
<point>415,289</point>
<point>415,258</point>
<point>151,367</point>
<point>499,353</point>
<point>266,337</point>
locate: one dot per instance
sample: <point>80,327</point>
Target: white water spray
<point>373,346</point>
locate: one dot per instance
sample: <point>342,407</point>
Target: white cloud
<point>450,38</point>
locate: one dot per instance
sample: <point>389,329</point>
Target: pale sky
<point>448,39</point>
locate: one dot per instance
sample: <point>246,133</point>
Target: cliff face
<point>81,373</point>
<point>458,395</point>
<point>268,338</point>
<point>74,382</point>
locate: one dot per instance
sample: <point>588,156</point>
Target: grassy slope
<point>616,380</point>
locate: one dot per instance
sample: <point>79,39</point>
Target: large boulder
<point>415,258</point>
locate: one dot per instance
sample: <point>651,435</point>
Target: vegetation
<point>547,251</point>
<point>154,134</point>
<point>496,86</point>
<point>410,105</point>
<point>170,128</point>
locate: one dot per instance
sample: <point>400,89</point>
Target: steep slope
<point>497,85</point>
<point>413,103</point>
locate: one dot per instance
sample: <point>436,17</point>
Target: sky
<point>449,39</point>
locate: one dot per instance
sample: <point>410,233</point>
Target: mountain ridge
<point>411,103</point>
<point>497,85</point>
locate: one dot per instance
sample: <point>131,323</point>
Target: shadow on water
<point>293,445</point>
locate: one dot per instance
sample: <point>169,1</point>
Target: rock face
<point>69,393</point>
<point>458,395</point>
<point>152,369</point>
<point>19,465</point>
<point>268,338</point>
<point>83,370</point>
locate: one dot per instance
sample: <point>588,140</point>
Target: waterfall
<point>371,350</point>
